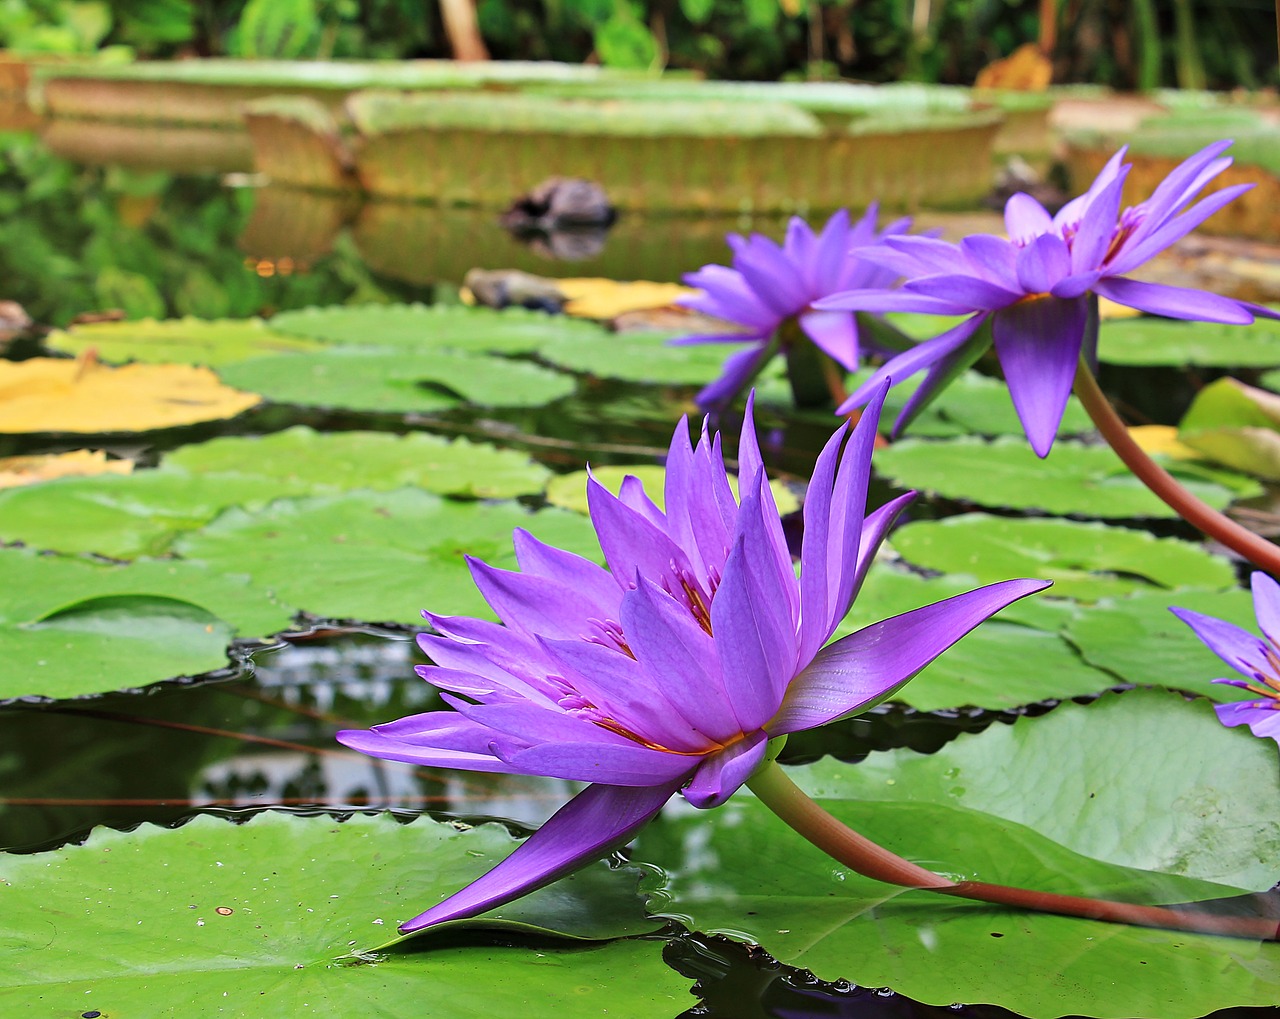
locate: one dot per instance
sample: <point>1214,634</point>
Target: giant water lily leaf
<point>1140,797</point>
<point>570,490</point>
<point>1004,663</point>
<point>142,514</point>
<point>362,378</point>
<point>1139,640</point>
<point>1087,481</point>
<point>300,461</point>
<point>29,470</point>
<point>376,556</point>
<point>420,328</point>
<point>639,357</point>
<point>52,395</point>
<point>70,627</point>
<point>1084,560</point>
<point>185,340</point>
<point>262,918</point>
<point>1236,425</point>
<point>1155,341</point>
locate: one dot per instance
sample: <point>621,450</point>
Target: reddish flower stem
<point>772,786</point>
<point>1258,550</point>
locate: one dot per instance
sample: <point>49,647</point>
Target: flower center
<point>1268,682</point>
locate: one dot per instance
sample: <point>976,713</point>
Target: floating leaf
<point>52,395</point>
<point>1004,663</point>
<point>1161,440</point>
<point>1156,341</point>
<point>1236,425</point>
<point>1047,803</point>
<point>367,379</point>
<point>142,514</point>
<point>187,340</point>
<point>28,470</point>
<point>638,357</point>
<point>1084,560</point>
<point>569,491</point>
<point>70,627</point>
<point>605,299</point>
<point>251,919</point>
<point>1087,481</point>
<point>376,557</point>
<point>417,327</point>
<point>1139,640</point>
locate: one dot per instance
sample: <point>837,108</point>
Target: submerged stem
<point>1258,550</point>
<point>776,791</point>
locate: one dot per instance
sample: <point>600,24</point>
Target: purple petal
<point>721,775</point>
<point>1025,219</point>
<point>906,364</point>
<point>729,296</point>
<point>799,245</point>
<point>590,579</point>
<point>1075,210</point>
<point>593,824</point>
<point>1260,716</point>
<point>736,374</point>
<point>1266,605</point>
<point>835,333</point>
<point>530,604</point>
<point>874,528</point>
<point>1039,343</point>
<point>761,517</point>
<point>1076,285</point>
<point>611,764</point>
<point>390,749</point>
<point>866,667</point>
<point>940,375</point>
<point>1097,229</point>
<point>631,493</point>
<point>1174,302</point>
<point>930,256</point>
<point>969,292</point>
<point>772,276</point>
<point>814,561</point>
<point>1133,255</point>
<point>1239,648</point>
<point>629,541</point>
<point>992,258</point>
<point>889,300</point>
<point>757,655</point>
<point>668,642</point>
<point>1174,191</point>
<point>1042,263</point>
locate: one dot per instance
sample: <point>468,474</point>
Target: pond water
<point>76,239</point>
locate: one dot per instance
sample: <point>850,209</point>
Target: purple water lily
<point>1036,287</point>
<point>771,285</point>
<point>1257,659</point>
<point>670,669</point>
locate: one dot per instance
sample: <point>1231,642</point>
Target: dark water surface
<point>261,735</point>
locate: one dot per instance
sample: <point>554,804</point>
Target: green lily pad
<point>419,328</point>
<point>1004,663</point>
<point>182,340</point>
<point>1084,560</point>
<point>1139,640</point>
<point>370,379</point>
<point>1086,481</point>
<point>148,509</point>
<point>641,357</point>
<point>70,627</point>
<point>262,918</point>
<point>1156,341</point>
<point>1236,425</point>
<point>1140,797</point>
<point>376,557</point>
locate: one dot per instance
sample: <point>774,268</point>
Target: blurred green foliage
<point>1124,43</point>
<point>82,239</point>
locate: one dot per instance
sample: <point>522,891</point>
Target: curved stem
<point>772,786</point>
<point>1262,553</point>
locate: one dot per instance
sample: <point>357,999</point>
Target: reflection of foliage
<point>76,239</point>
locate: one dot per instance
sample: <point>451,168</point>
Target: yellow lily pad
<point>47,394</point>
<point>1108,309</point>
<point>1162,439</point>
<point>604,299</point>
<point>79,463</point>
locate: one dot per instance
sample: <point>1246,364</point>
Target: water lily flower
<point>771,287</point>
<point>669,669</point>
<point>1038,287</point>
<point>1257,659</point>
